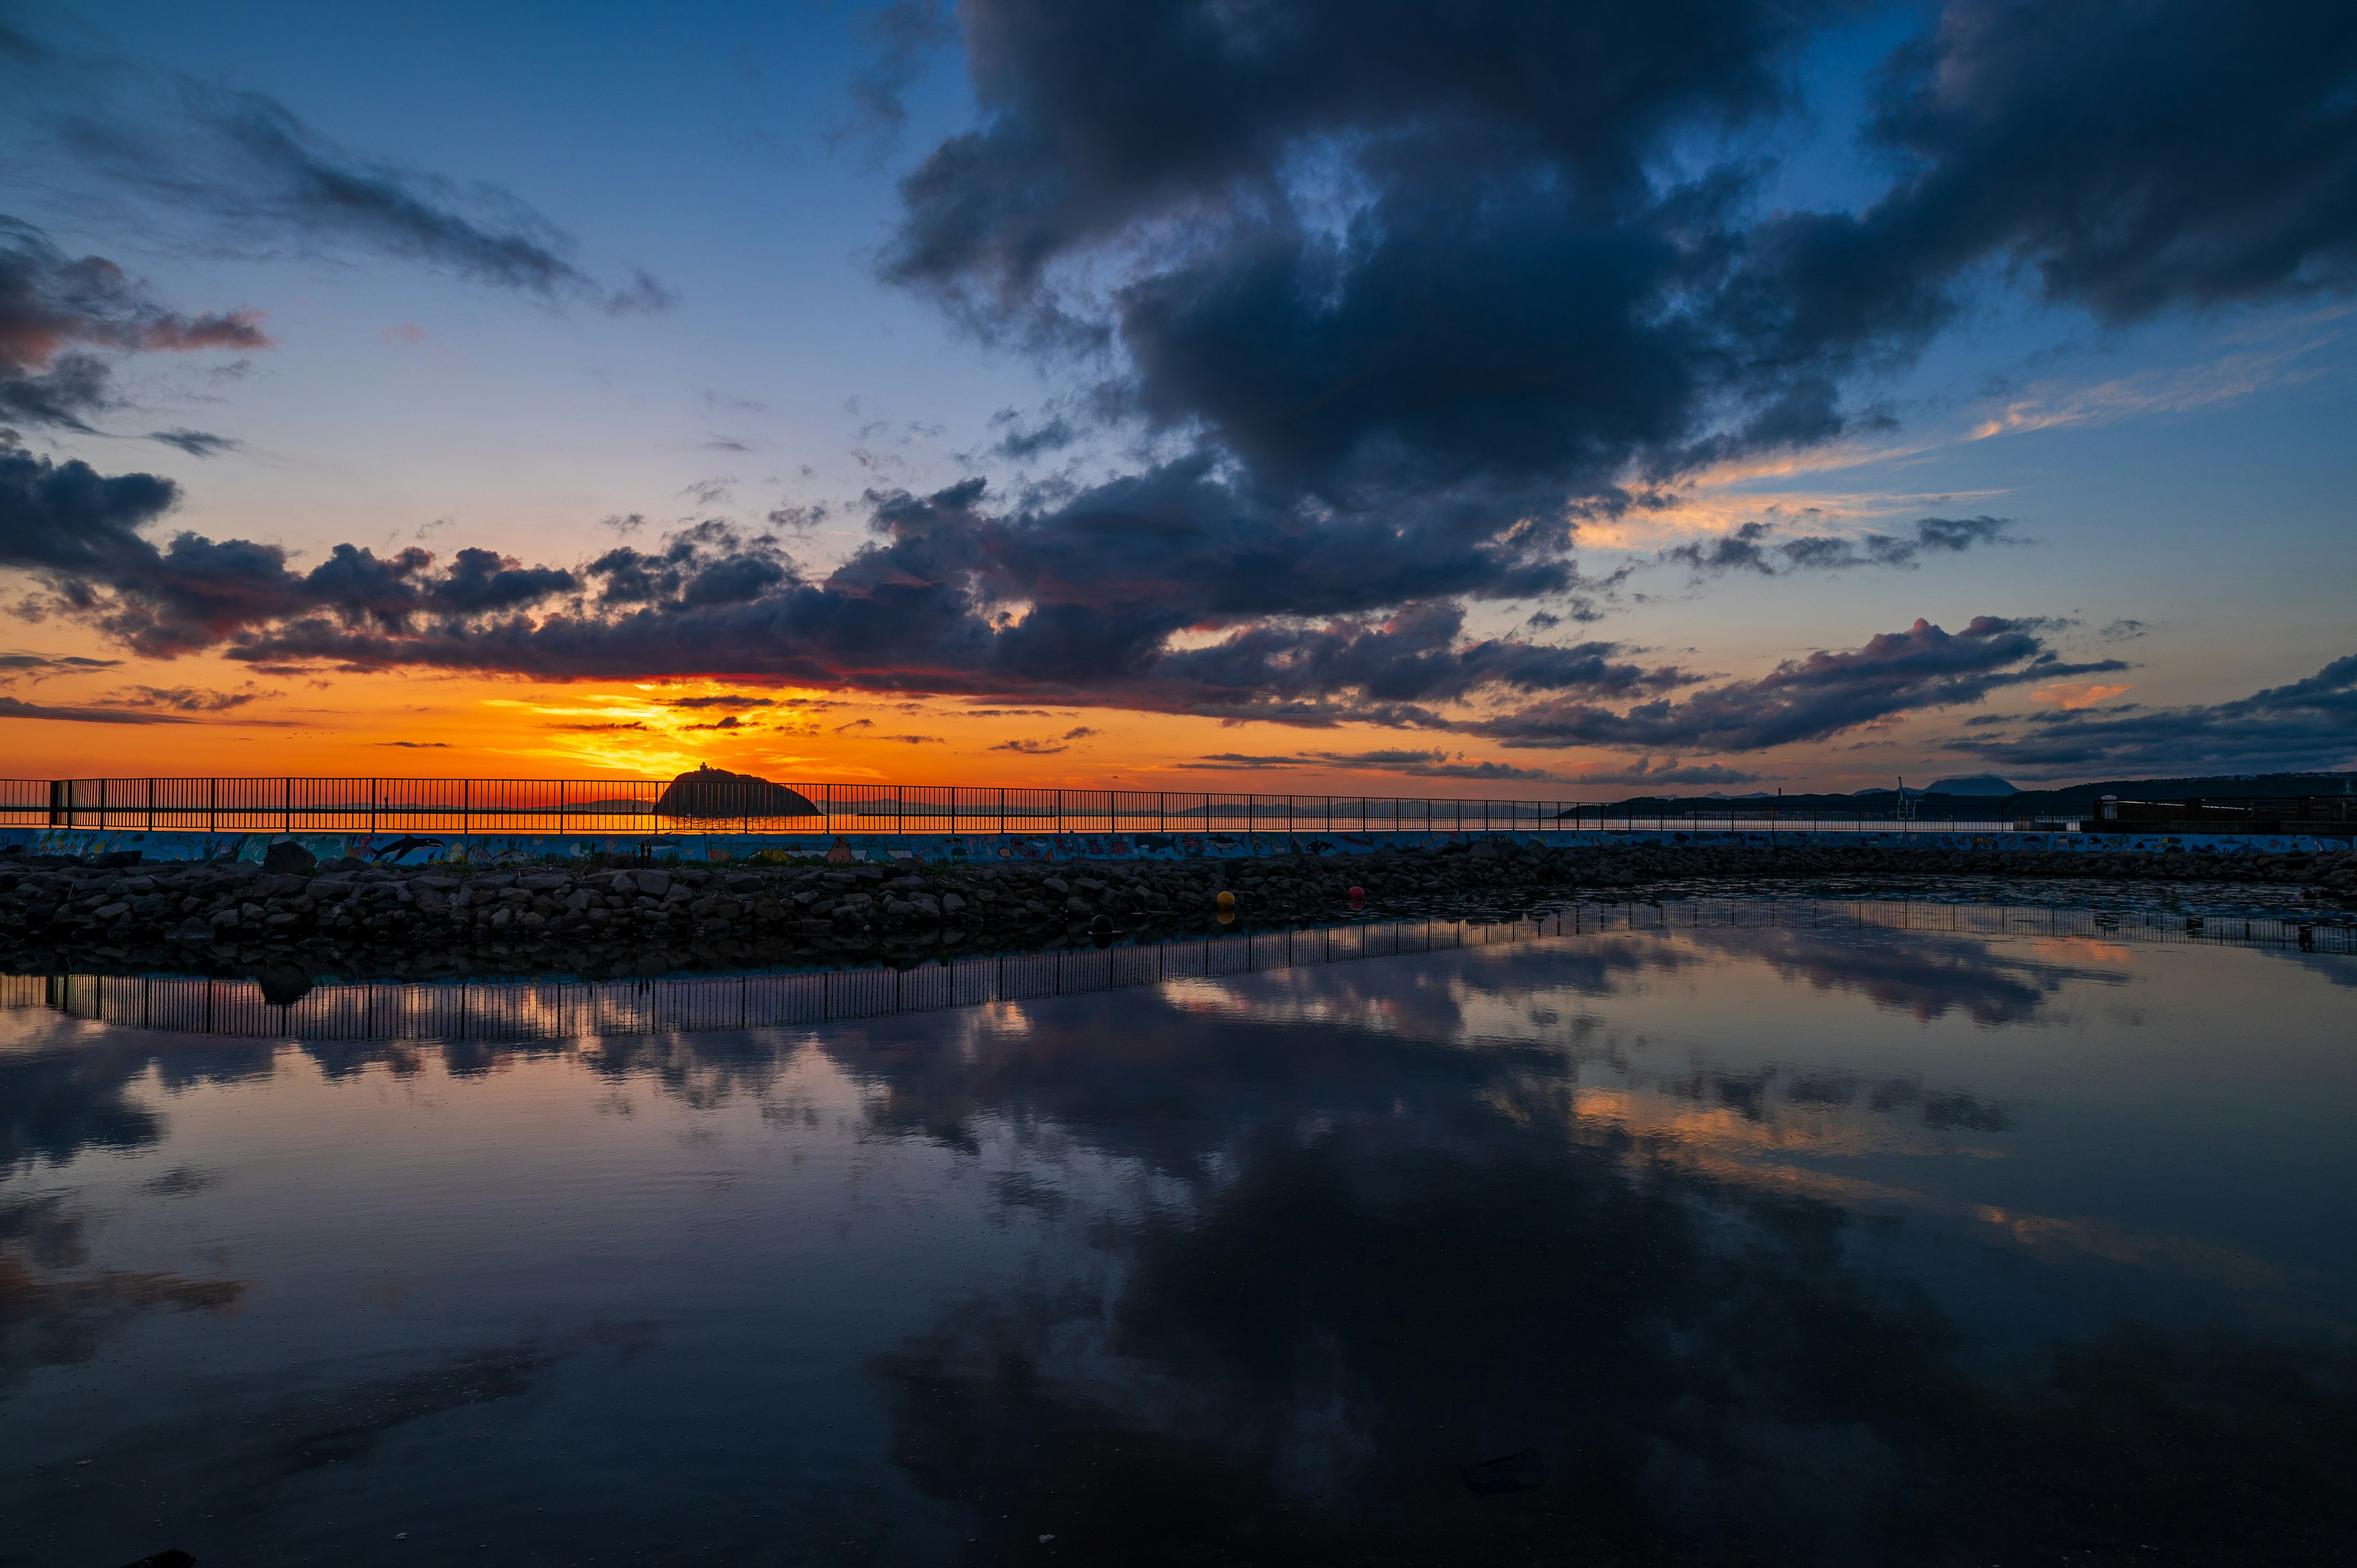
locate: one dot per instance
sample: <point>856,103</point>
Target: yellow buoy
<point>1226,900</point>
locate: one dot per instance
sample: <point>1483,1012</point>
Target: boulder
<point>715,792</point>
<point>286,856</point>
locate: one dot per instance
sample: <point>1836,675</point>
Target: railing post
<point>465,806</point>
<point>286,805</point>
<point>1162,812</point>
<point>102,805</point>
<point>151,805</point>
<point>212,805</point>
<point>900,811</point>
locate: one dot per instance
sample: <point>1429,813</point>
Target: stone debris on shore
<point>351,917</point>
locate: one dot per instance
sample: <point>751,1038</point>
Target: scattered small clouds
<point>417,745</point>
<point>16,708</point>
<point>1749,548</point>
<point>40,666</point>
<point>55,309</point>
<point>188,699</point>
<point>195,442</point>
<point>2310,722</point>
<point>2072,696</point>
<point>260,176</point>
<point>723,699</point>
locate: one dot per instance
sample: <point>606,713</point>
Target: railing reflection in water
<point>557,1009</point>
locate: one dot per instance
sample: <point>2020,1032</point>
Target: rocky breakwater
<point>350,918</point>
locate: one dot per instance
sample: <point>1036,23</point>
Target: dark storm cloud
<point>55,308</point>
<point>2133,157</point>
<point>1753,548</point>
<point>78,533</point>
<point>2306,724</point>
<point>1078,603</point>
<point>1809,699</point>
<point>950,597</point>
<point>1367,250</point>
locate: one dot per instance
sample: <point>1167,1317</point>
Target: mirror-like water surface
<point>1766,1237</point>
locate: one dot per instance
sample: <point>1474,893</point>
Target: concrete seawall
<point>987,849</point>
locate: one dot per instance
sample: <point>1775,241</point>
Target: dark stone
<point>117,857</point>
<point>1523,1472</point>
<point>287,857</point>
<point>171,1557</point>
<point>715,793</point>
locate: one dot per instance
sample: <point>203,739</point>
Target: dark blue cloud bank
<point>1402,293</point>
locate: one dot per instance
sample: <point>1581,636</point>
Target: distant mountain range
<point>1983,788</point>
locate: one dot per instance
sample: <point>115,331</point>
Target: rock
<point>653,883</point>
<point>286,856</point>
<point>715,792</point>
<point>1057,885</point>
<point>624,884</point>
<point>115,858</point>
<point>224,920</point>
<point>952,904</point>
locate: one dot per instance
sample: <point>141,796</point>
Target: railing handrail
<point>463,807</point>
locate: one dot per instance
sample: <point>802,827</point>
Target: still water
<point>1731,1234</point>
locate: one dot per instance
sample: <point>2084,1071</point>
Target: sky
<point>1513,398</point>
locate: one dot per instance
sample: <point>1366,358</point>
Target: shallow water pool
<point>1739,1233</point>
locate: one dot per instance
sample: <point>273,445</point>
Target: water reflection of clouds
<point>1993,981</point>
<point>1311,1241</point>
<point>57,1308</point>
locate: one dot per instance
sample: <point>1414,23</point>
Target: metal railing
<point>466,807</point>
<point>2263,814</point>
